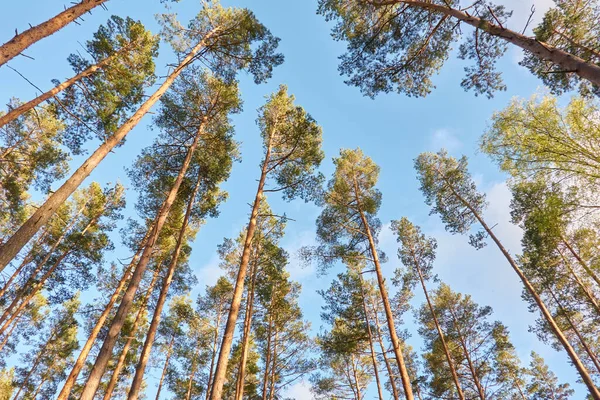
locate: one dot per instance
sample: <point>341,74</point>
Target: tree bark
<point>581,284</point>
<point>164,371</point>
<point>239,393</point>
<point>20,42</point>
<point>85,351</point>
<point>583,372</point>
<point>219,379</point>
<point>370,334</point>
<point>268,355</point>
<point>384,354</point>
<point>112,384</point>
<point>162,298</point>
<point>19,239</point>
<point>23,108</point>
<point>104,355</point>
<point>459,390</point>
<point>406,383</point>
<point>586,267</point>
<point>568,62</point>
<point>214,352</point>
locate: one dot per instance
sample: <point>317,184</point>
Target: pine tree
<point>292,152</point>
<point>399,44</point>
<point>544,384</point>
<point>450,190</point>
<point>347,229</point>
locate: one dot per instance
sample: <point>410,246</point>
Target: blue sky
<point>393,129</point>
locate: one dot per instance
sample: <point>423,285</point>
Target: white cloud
<point>209,273</point>
<point>298,391</point>
<point>444,138</point>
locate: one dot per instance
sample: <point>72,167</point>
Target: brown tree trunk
<point>214,353</point>
<point>20,42</point>
<point>267,356</point>
<point>370,334</point>
<point>583,372</point>
<point>85,351</point>
<point>9,333</point>
<point>356,381</point>
<point>114,379</point>
<point>463,344</point>
<point>188,394</point>
<point>239,393</point>
<point>19,239</point>
<point>23,108</point>
<point>581,284</point>
<point>586,267</point>
<point>274,366</point>
<point>459,390</point>
<point>219,379</point>
<point>162,298</point>
<point>384,354</point>
<point>164,370</point>
<point>568,62</point>
<point>406,383</point>
<point>580,337</point>
<point>104,355</point>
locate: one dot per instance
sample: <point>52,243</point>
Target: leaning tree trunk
<point>20,42</point>
<point>162,298</point>
<point>114,379</point>
<point>406,383</point>
<point>165,367</point>
<point>19,239</point>
<point>221,371</point>
<point>586,267</point>
<point>85,351</point>
<point>23,108</point>
<point>383,353</point>
<point>581,284</point>
<point>104,355</point>
<point>567,61</point>
<point>459,390</point>
<point>583,372</point>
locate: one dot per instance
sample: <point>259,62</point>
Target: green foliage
<point>544,383</point>
<point>100,103</point>
<point>535,139</point>
<point>571,26</point>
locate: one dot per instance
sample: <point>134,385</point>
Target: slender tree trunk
<point>19,239</point>
<point>267,356</point>
<point>162,298</point>
<point>463,344</point>
<point>33,292</point>
<point>459,390</point>
<point>586,267</point>
<point>406,383</point>
<point>38,358</point>
<point>273,366</point>
<point>356,381</point>
<point>164,370</point>
<point>37,390</point>
<point>23,108</point>
<point>188,395</point>
<point>568,62</point>
<point>370,334</point>
<point>580,337</point>
<point>85,351</point>
<point>219,379</point>
<point>239,393</point>
<point>214,353</point>
<point>384,353</point>
<point>581,284</point>
<point>20,42</point>
<point>114,379</point>
<point>104,355</point>
<point>9,333</point>
<point>583,372</point>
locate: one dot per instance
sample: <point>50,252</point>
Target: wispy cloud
<point>444,138</point>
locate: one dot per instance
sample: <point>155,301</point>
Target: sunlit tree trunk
<point>165,367</point>
<point>371,347</point>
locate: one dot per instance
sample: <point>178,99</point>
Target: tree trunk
<point>463,344</point>
<point>267,355</point>
<point>356,381</point>
<point>406,383</point>
<point>583,372</point>
<point>20,42</point>
<point>459,390</point>
<point>219,380</point>
<point>274,366</point>
<point>239,393</point>
<point>214,353</point>
<point>23,108</point>
<point>384,353</point>
<point>582,340</point>
<point>188,395</point>
<point>112,384</point>
<point>9,334</point>
<point>568,62</point>
<point>371,347</point>
<point>581,284</point>
<point>85,351</point>
<point>164,370</point>
<point>162,298</point>
<point>19,239</point>
<point>104,355</point>
<point>586,267</point>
